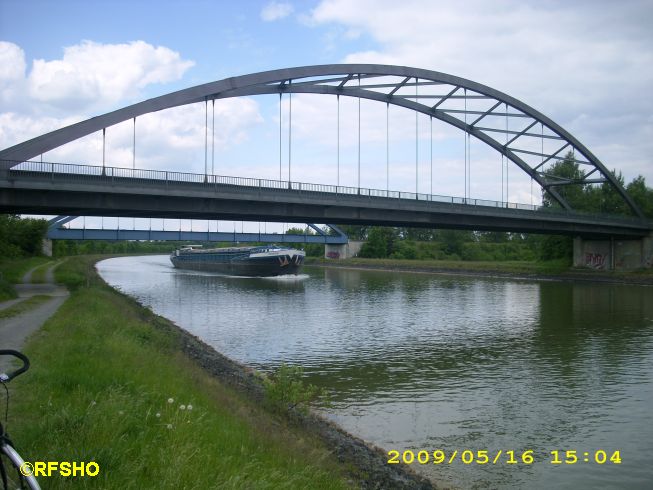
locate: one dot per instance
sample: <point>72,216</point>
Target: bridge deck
<point>46,188</point>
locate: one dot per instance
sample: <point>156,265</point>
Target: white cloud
<point>587,66</point>
<point>12,74</point>
<point>12,63</point>
<point>100,77</point>
<point>276,10</point>
<point>170,140</point>
<point>91,72</point>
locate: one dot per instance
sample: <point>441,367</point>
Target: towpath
<point>15,330</point>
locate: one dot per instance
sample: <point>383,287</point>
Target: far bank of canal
<point>419,361</point>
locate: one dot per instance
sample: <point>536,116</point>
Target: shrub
<point>6,290</point>
<point>285,390</point>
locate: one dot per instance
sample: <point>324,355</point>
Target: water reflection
<point>424,362</point>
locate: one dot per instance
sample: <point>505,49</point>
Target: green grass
<point>98,390</point>
<point>38,275</point>
<point>558,268</point>
<point>78,271</point>
<point>23,306</point>
<point>7,291</point>
<point>13,270</point>
<point>521,267</point>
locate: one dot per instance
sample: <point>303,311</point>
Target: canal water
<point>430,362</point>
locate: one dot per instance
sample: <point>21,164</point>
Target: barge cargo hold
<point>262,261</point>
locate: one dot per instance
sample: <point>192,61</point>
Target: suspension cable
<point>289,127</point>
<point>465,141</point>
<point>280,133</point>
<point>104,146</point>
<point>338,138</point>
<point>134,148</point>
<point>541,151</point>
<point>469,165</point>
<point>431,176</point>
<point>387,149</point>
<point>359,136</point>
<point>416,143</point>
<point>206,138</point>
<point>507,161</point>
<point>502,178</point>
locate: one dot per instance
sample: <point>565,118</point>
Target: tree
<point>299,231</point>
<point>380,243</point>
<point>417,234</point>
<point>493,236</point>
<point>355,232</point>
<point>453,241</point>
<point>21,236</point>
<point>565,170</point>
<point>642,195</point>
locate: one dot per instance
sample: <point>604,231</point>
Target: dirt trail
<point>14,330</point>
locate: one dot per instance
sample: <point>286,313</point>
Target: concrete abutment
<point>614,254</point>
<point>343,251</point>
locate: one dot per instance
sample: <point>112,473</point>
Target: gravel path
<point>15,330</point>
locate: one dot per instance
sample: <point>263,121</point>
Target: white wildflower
<point>158,415</point>
<point>182,407</point>
<point>171,400</point>
<point>169,426</point>
<point>189,407</point>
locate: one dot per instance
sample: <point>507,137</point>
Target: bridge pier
<point>614,254</point>
<point>342,251</point>
<point>46,247</point>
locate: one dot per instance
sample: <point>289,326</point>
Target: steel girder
<point>445,97</point>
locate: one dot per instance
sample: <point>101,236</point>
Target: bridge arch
<point>382,83</point>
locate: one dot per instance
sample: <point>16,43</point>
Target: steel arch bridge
<point>504,123</point>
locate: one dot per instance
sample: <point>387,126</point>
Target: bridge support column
<point>342,251</point>
<point>614,254</point>
<point>46,247</point>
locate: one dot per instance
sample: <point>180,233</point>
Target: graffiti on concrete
<point>648,261</point>
<point>333,255</point>
<point>595,261</point>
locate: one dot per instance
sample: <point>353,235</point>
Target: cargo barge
<point>262,261</point>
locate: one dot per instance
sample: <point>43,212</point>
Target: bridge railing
<point>90,173</point>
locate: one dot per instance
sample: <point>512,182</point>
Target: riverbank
<point>12,272</point>
<point>523,270</point>
<point>155,407</point>
<point>36,300</point>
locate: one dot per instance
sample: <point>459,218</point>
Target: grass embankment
<point>39,273</point>
<point>517,267</point>
<point>559,269</point>
<point>107,385</point>
<point>12,272</point>
<point>23,306</point>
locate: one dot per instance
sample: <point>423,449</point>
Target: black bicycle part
<point>6,377</point>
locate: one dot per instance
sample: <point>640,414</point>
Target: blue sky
<point>587,65</point>
<point>223,38</point>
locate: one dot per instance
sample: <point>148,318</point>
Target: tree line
<point>21,237</point>
<point>439,244</point>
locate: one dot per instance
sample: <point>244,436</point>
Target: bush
<point>285,390</point>
<point>6,290</point>
<point>21,236</point>
<point>404,250</point>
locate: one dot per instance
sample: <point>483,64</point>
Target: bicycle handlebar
<point>10,352</point>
